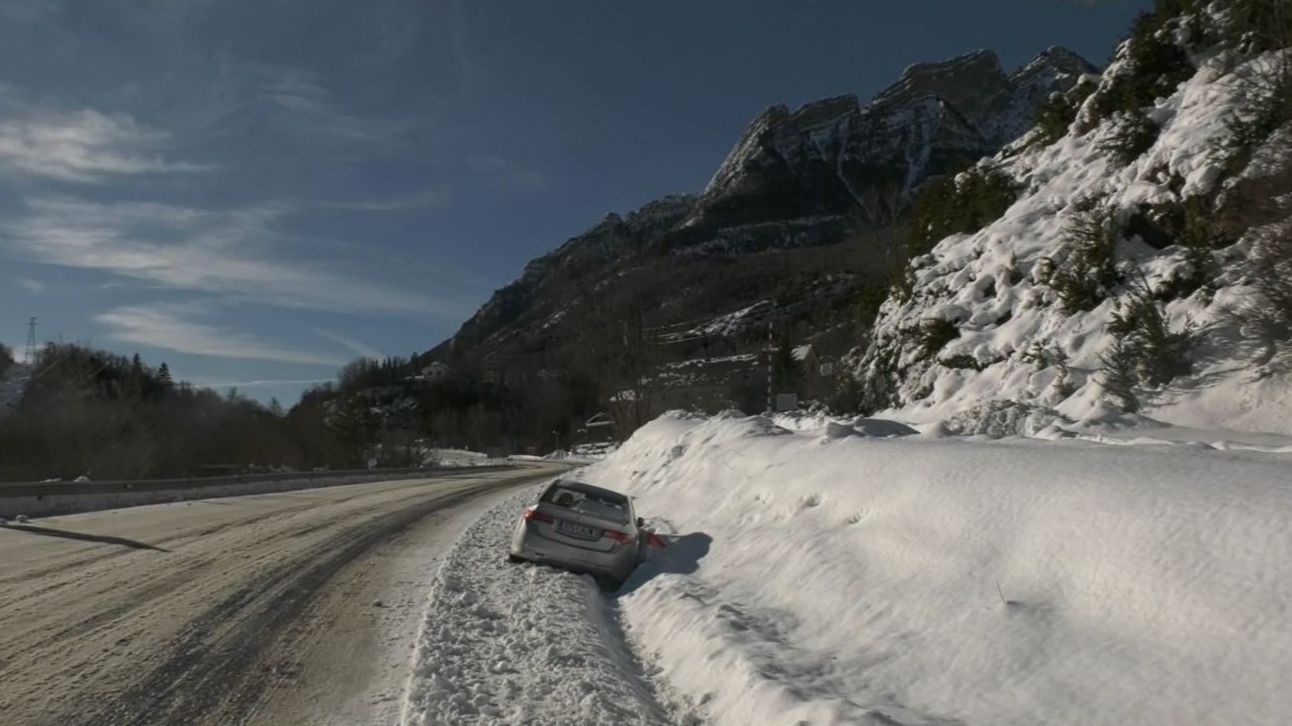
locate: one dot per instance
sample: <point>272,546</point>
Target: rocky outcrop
<point>835,156</point>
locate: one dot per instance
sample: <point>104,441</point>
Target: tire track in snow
<point>524,643</point>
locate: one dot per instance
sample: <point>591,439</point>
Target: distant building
<point>598,429</point>
<point>818,372</point>
<point>435,372</point>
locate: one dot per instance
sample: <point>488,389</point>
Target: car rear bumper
<point>618,563</point>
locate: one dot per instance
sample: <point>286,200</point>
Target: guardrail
<point>39,499</point>
<point>20,489</point>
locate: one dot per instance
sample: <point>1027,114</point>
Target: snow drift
<point>944,581</point>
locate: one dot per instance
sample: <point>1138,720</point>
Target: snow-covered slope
<point>845,579</point>
<point>1005,332</point>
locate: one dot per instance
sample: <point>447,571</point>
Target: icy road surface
<point>290,608</point>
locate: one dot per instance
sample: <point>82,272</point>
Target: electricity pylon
<point>31,341</point>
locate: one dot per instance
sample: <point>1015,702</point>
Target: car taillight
<point>533,515</point>
<point>619,537</point>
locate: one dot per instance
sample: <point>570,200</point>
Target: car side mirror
<point>641,522</point>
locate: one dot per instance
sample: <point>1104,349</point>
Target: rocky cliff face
<point>794,180</point>
<point>515,310</point>
<point>833,155</point>
<point>1010,114</point>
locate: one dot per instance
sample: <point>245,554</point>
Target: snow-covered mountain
<point>1013,111</point>
<point>795,180</point>
<point>1121,277</point>
<point>834,154</point>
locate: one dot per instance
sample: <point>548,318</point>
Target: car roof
<point>579,486</point>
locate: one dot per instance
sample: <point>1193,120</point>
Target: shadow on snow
<point>681,555</point>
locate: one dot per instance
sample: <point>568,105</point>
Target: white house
<point>435,372</point>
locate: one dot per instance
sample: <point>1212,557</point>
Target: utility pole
<point>771,362</point>
<point>31,341</point>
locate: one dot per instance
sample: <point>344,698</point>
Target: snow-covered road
<point>288,608</point>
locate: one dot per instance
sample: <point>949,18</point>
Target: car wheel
<point>609,584</point>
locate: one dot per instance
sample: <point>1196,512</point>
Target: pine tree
<point>164,377</point>
<point>1160,354</point>
<point>352,430</point>
<point>1118,369</point>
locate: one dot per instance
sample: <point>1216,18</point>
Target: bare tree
<point>879,204</point>
<point>617,345</point>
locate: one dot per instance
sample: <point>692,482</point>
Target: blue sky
<point>256,191</point>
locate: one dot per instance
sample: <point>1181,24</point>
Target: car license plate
<point>577,530</point>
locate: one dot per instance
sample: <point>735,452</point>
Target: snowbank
<point>457,457</point>
<point>932,581</point>
<point>583,453</point>
<point>839,426</point>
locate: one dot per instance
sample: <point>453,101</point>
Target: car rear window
<point>606,506</point>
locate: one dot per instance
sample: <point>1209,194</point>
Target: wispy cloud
<point>34,287</point>
<point>304,95</point>
<point>292,89</point>
<point>506,174</point>
<point>198,250</point>
<point>170,327</point>
<point>414,200</point>
<point>83,146</point>
<point>357,346</point>
<point>29,10</point>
